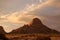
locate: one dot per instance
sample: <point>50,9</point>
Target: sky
<point>16,13</point>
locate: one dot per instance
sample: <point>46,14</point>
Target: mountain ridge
<point>35,26</point>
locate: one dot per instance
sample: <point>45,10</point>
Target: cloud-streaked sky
<point>15,13</point>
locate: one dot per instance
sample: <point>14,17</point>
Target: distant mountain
<point>35,26</point>
<point>2,30</point>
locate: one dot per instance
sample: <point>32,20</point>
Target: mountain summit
<point>35,22</point>
<point>35,26</point>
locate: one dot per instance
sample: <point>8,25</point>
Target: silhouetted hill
<point>2,34</point>
<point>35,26</point>
<point>2,30</point>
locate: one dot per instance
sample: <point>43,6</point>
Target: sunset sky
<point>16,13</point>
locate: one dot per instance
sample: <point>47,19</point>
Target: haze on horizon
<point>16,13</point>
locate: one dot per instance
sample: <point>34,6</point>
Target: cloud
<point>16,17</point>
<point>41,1</point>
<point>10,6</point>
<point>24,15</point>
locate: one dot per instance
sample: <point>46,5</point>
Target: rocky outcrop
<point>35,26</point>
<point>2,30</point>
<point>2,34</point>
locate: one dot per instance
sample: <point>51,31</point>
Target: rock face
<point>2,34</point>
<point>2,30</point>
<point>35,26</point>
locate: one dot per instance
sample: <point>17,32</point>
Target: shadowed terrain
<point>35,26</point>
<point>35,30</point>
<point>2,34</point>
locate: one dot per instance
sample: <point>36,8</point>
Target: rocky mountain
<point>2,30</point>
<point>35,26</point>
